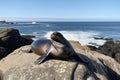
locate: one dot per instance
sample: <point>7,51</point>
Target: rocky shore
<point>110,48</point>
<point>17,61</point>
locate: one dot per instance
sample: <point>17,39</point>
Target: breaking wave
<point>84,37</point>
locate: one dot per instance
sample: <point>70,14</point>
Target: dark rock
<point>11,39</point>
<point>26,41</point>
<point>117,57</point>
<point>3,52</point>
<point>102,38</point>
<point>93,44</point>
<point>4,22</point>
<point>92,47</point>
<point>10,22</point>
<point>111,48</point>
<point>28,36</point>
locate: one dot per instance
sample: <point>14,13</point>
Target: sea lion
<point>67,48</point>
<point>47,48</point>
<point>58,47</point>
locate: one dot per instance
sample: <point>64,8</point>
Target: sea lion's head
<point>58,37</point>
<point>62,45</point>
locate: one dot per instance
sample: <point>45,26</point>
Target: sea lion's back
<point>40,46</point>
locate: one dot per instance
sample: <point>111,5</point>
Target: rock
<point>26,41</point>
<point>19,65</point>
<point>90,44</point>
<point>102,38</point>
<point>77,44</point>
<point>28,36</point>
<point>3,52</point>
<point>4,22</point>
<point>11,39</point>
<point>117,57</point>
<point>50,70</point>
<point>18,57</point>
<point>112,49</point>
<point>92,47</point>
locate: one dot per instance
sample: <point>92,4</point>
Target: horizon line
<point>57,19</point>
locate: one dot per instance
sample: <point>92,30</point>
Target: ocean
<point>84,32</point>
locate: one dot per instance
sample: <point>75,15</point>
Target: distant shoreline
<point>5,22</point>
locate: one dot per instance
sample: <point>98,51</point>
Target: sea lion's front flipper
<point>42,58</point>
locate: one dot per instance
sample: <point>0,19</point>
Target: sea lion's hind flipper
<point>81,58</point>
<point>42,58</point>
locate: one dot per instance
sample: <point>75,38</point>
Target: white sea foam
<point>84,37</point>
<point>47,35</point>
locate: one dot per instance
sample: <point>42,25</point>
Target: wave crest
<point>84,37</point>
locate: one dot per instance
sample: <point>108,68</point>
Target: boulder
<point>112,49</point>
<point>19,65</point>
<point>11,39</point>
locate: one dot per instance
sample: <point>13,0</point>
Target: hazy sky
<point>60,8</point>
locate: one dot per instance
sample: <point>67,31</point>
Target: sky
<point>83,9</point>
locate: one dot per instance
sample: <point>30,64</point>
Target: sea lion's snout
<point>53,36</point>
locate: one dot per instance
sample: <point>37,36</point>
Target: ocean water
<point>84,32</point>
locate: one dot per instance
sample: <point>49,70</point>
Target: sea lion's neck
<point>63,41</point>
